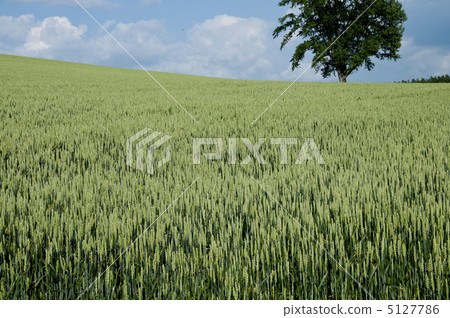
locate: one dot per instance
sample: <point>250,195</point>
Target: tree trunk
<point>341,75</point>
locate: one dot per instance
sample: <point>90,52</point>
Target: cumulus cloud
<point>14,30</point>
<point>57,38</point>
<point>143,39</point>
<point>426,61</point>
<point>224,46</point>
<point>53,37</point>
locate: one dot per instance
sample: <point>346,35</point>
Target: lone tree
<point>343,34</point>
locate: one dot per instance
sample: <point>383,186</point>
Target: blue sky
<point>229,39</point>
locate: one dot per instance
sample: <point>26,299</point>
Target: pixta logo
<point>144,146</point>
<point>309,150</point>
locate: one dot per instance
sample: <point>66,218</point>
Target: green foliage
<point>361,34</point>
<point>432,79</point>
<point>70,205</point>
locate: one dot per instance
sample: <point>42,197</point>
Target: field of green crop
<point>70,206</point>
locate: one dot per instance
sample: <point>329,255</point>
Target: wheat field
<point>77,223</point>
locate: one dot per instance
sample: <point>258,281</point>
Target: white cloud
<point>417,61</point>
<point>425,61</point>
<point>225,37</point>
<point>14,30</point>
<point>224,46</point>
<point>145,40</point>
<point>52,38</point>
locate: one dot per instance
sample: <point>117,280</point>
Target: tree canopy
<point>343,35</point>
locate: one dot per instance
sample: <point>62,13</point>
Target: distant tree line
<point>432,79</point>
